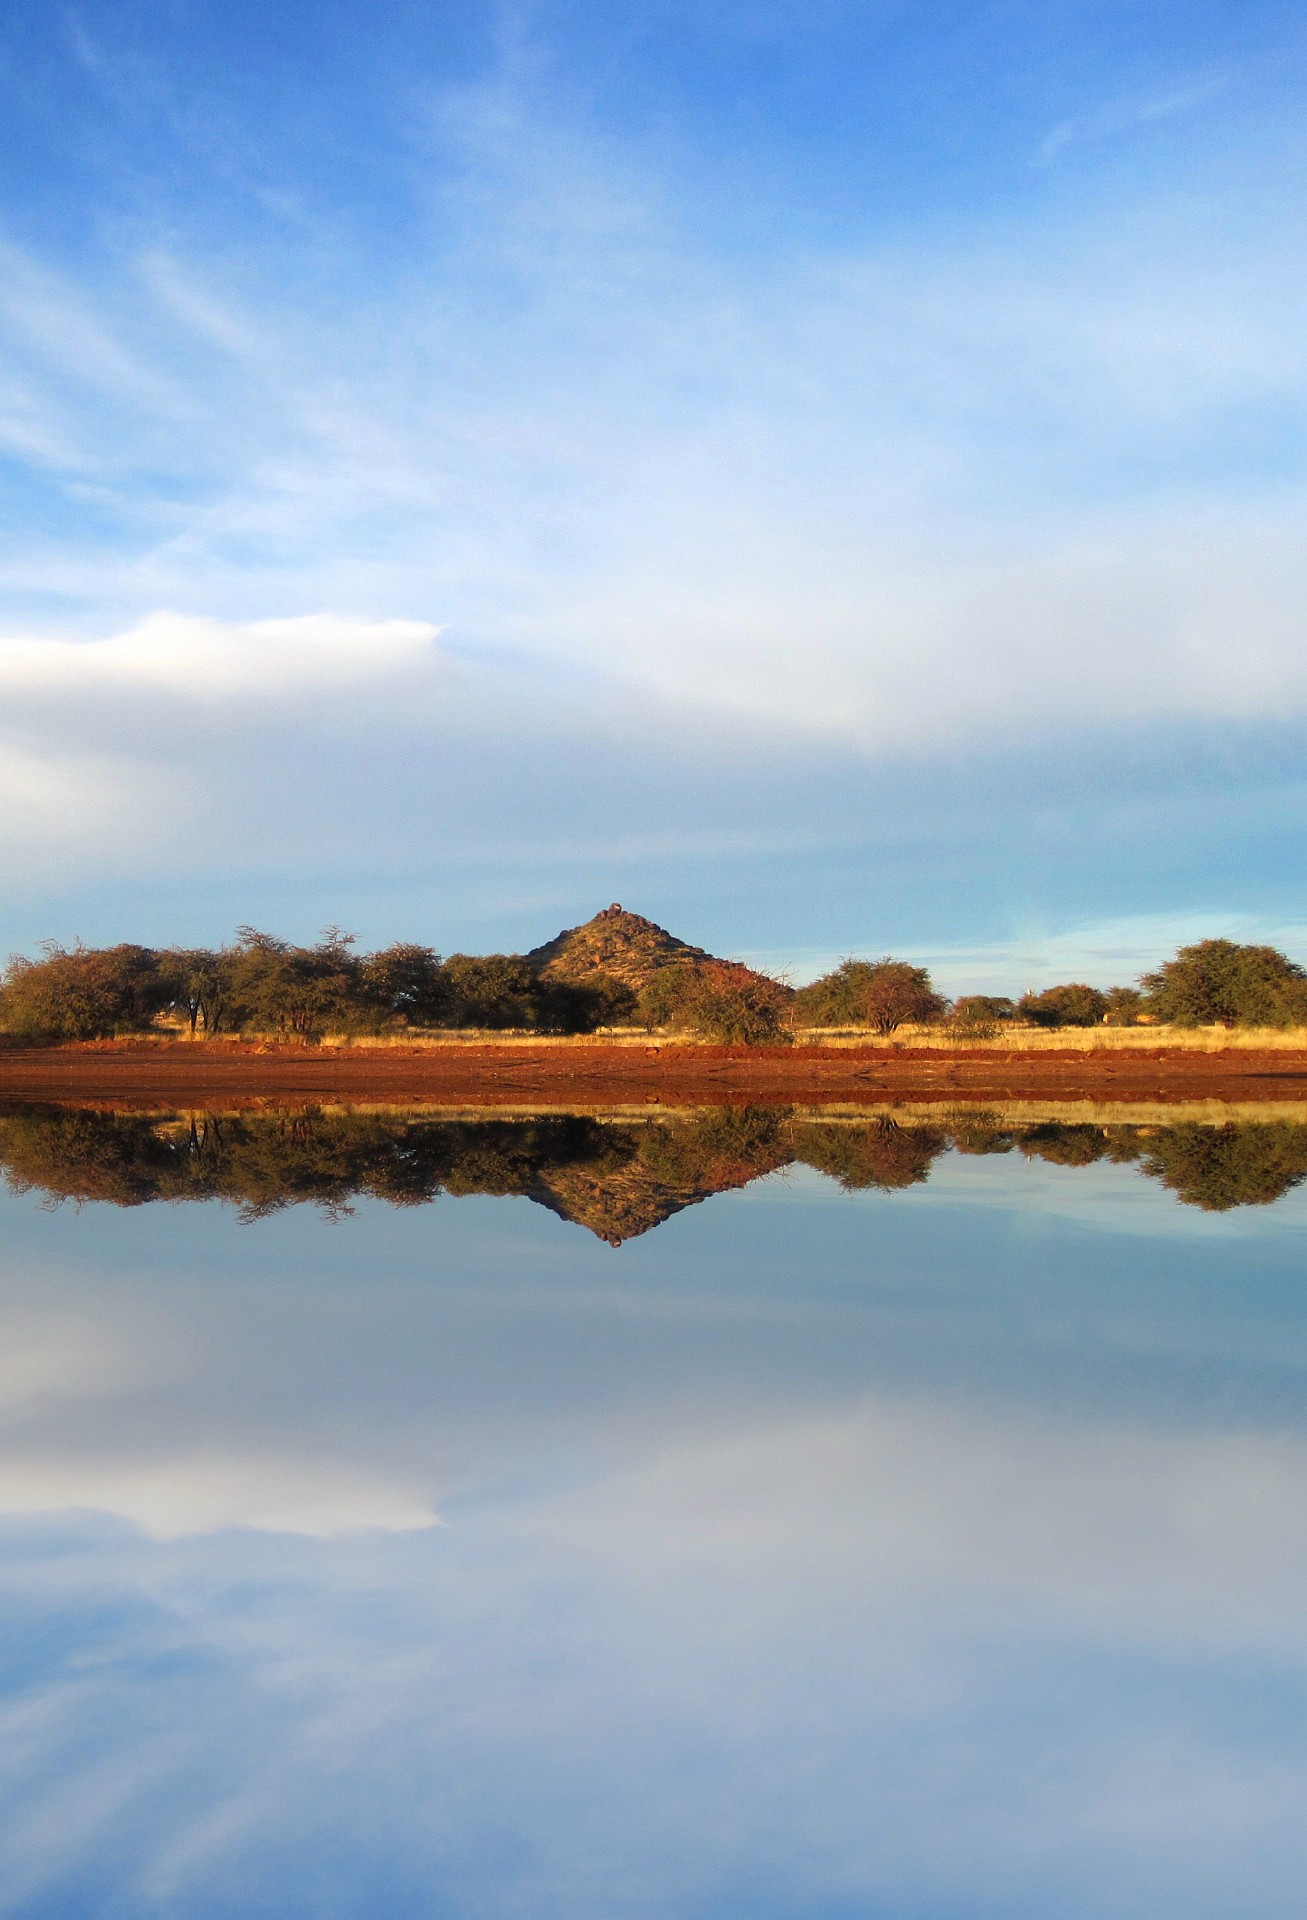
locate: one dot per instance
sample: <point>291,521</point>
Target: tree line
<point>264,986</point>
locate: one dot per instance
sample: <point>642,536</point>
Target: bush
<point>1124,1006</point>
<point>279,988</point>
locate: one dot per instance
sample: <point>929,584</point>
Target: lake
<point>719,1514</point>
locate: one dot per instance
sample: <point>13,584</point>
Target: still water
<point>777,1515</point>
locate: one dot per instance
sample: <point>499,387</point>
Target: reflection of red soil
<point>498,1075</point>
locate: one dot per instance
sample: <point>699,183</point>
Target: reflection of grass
<point>628,1173</point>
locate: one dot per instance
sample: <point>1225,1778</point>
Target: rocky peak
<point>624,946</point>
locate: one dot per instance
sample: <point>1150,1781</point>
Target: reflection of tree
<point>1066,1146</point>
<point>619,1178</point>
<point>882,1154</point>
<point>1241,1165</point>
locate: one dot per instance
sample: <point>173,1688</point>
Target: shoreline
<point>495,1074</point>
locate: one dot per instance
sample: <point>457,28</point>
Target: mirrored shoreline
<point>622,1172</point>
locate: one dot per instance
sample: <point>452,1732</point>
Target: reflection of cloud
<point>1141,110</point>
<point>724,1599</point>
<point>185,1493</point>
<point>201,660</point>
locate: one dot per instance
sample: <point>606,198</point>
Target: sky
<point>829,477</point>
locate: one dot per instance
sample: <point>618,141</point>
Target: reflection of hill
<point>618,1177</point>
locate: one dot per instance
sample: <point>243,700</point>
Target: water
<point>933,1544</point>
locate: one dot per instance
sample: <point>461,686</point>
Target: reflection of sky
<point>930,1554</point>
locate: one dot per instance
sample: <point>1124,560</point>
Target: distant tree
<point>1066,1145</point>
<point>883,1155</point>
<point>580,1006</point>
<point>1074,1005</point>
<point>82,993</point>
<point>1246,1164</point>
<point>1124,1006</point>
<point>1224,983</point>
<point>983,1009</point>
<point>881,994</point>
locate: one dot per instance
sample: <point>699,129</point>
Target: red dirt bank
<point>183,1073</point>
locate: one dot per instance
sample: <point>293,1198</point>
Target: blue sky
<point>830,477</point>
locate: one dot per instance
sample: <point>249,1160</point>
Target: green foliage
<point>719,1002</point>
<point>1223,983</point>
<point>882,1155</point>
<point>1074,1005</point>
<point>881,994</point>
<point>198,984</point>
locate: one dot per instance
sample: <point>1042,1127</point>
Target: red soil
<point>469,1074</point>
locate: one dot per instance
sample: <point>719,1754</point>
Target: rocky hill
<point>621,946</point>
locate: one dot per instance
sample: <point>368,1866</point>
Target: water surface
<point>722,1514</point>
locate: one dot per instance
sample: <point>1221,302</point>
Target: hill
<point>618,945</point>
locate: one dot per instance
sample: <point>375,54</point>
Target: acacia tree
<point>280,988</point>
<point>729,1004</point>
<point>881,994</point>
<point>405,984</point>
<point>199,984</point>
<point>1225,983</point>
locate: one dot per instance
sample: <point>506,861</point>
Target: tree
<point>492,990</point>
<point>718,1001</point>
<point>405,984</point>
<point>1074,1005</point>
<point>881,994</point>
<point>1224,983</point>
<point>198,984</point>
<point>280,988</point>
<point>983,1009</point>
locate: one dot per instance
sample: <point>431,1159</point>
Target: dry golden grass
<point>1074,1039</point>
<point>1006,1040</point>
